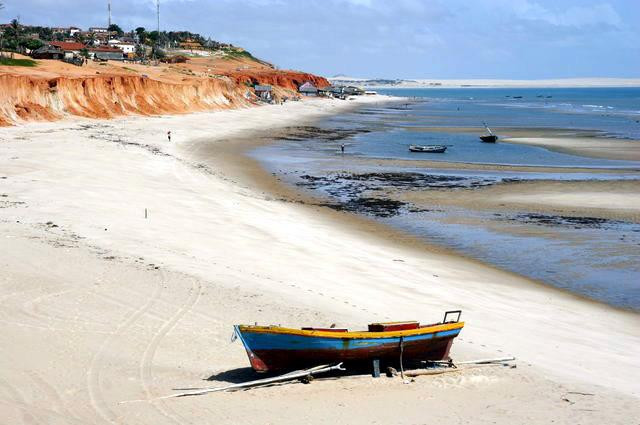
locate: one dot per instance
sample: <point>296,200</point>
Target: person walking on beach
<point>342,148</point>
<point>169,135</point>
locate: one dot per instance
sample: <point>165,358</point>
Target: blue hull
<point>277,351</point>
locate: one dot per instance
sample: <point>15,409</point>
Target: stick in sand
<point>282,378</point>
<point>481,361</point>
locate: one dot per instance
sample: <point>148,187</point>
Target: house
<point>106,53</point>
<point>73,31</point>
<point>48,52</point>
<point>98,30</point>
<point>122,45</point>
<point>325,91</point>
<point>353,91</point>
<point>70,49</point>
<point>308,89</point>
<point>263,92</point>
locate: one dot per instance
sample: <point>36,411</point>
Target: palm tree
<point>15,26</point>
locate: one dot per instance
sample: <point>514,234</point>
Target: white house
<point>123,45</point>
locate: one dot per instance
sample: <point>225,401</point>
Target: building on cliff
<point>70,49</point>
<point>308,89</point>
<point>48,52</point>
<point>106,53</point>
<point>264,92</point>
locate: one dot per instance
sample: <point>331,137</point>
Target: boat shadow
<point>245,374</point>
<point>239,375</point>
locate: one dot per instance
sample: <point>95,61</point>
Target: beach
<point>129,259</point>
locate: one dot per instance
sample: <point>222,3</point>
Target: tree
<point>115,28</point>
<point>141,52</point>
<point>30,44</point>
<point>142,35</point>
<point>15,32</point>
<point>153,37</point>
<point>79,37</point>
<point>92,39</point>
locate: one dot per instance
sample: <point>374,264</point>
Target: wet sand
<point>617,200</point>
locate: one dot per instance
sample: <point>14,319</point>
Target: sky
<point>507,39</point>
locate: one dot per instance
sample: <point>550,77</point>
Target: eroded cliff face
<point>33,98</point>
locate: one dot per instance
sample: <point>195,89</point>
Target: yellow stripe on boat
<point>352,335</point>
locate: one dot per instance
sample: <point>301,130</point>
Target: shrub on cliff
<point>16,62</point>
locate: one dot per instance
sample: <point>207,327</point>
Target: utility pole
<point>158,16</point>
<point>109,9</point>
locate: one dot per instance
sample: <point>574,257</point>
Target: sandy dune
<point>100,305</point>
<point>596,147</point>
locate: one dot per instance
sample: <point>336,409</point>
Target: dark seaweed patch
<point>348,189</point>
<point>562,220</point>
<point>322,134</point>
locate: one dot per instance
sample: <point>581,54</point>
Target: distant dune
<point>495,83</point>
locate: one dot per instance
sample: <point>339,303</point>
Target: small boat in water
<point>273,348</point>
<point>489,138</point>
<point>428,148</point>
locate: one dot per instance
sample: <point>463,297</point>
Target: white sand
<point>82,331</point>
<point>607,201</point>
<point>597,147</point>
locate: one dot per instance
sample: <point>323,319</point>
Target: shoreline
<point>215,251</point>
<point>250,168</point>
<point>234,158</point>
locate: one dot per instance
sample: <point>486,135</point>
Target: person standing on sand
<point>169,135</point>
<point>342,148</point>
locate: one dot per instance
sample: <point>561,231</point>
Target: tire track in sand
<point>147,358</point>
<point>93,374</point>
<point>19,403</point>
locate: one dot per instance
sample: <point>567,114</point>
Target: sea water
<point>599,259</point>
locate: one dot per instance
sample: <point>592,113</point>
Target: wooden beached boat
<point>272,348</point>
<point>428,148</point>
<point>489,138</point>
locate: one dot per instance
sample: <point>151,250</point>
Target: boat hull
<point>420,149</point>
<point>280,350</point>
<point>489,139</point>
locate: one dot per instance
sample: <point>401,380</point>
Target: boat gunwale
<point>353,334</point>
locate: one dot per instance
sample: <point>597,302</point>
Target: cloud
<point>574,16</point>
<point>392,38</point>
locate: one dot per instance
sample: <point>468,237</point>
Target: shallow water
<point>599,259</point>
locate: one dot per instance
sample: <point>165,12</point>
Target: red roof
<point>64,45</point>
<point>105,49</point>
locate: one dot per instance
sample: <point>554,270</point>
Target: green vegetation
<point>234,53</point>
<point>16,62</point>
<point>115,28</point>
